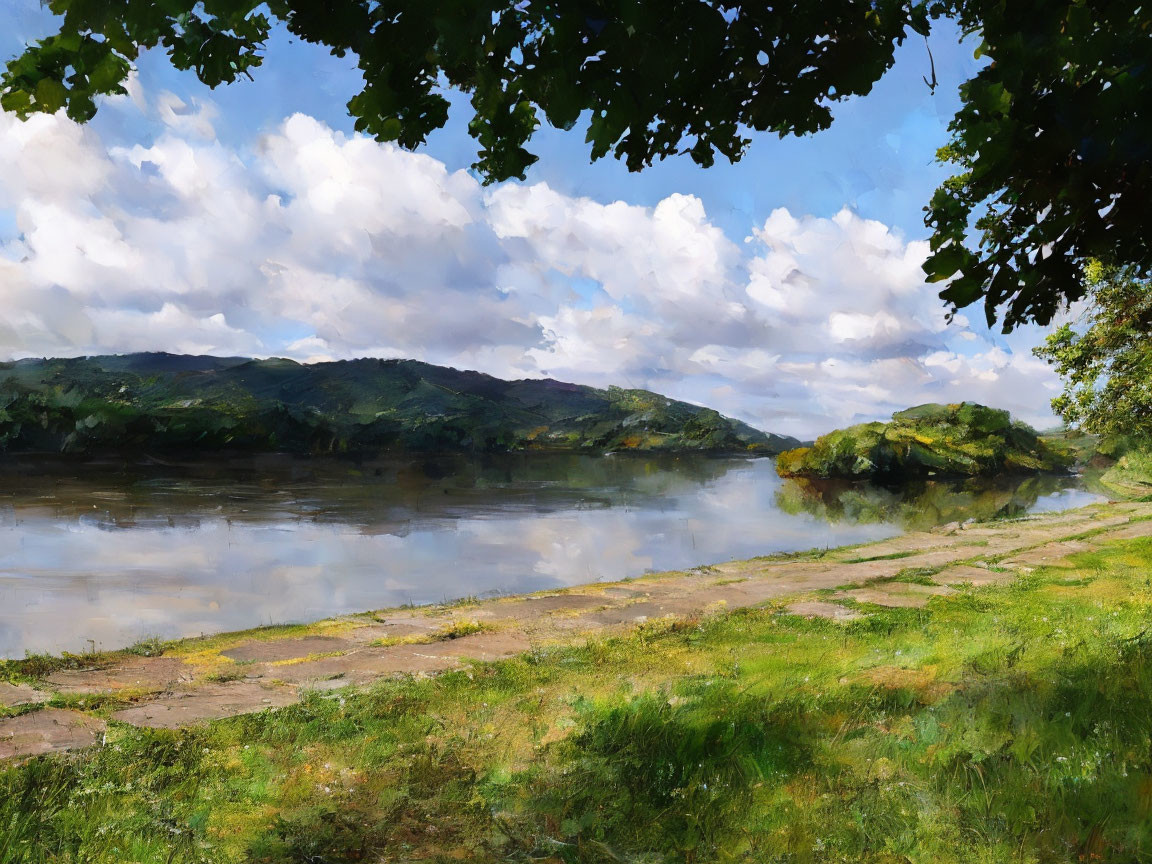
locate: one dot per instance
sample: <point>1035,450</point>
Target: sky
<point>784,290</point>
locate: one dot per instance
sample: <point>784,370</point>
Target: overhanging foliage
<point>1050,143</point>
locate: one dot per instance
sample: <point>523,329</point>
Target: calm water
<point>102,556</point>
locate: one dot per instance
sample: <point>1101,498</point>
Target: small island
<point>963,440</point>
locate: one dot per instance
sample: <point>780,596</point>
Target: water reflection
<point>108,554</point>
<point>921,504</point>
<point>387,496</point>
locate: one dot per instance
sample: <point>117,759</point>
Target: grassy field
<point>1009,723</point>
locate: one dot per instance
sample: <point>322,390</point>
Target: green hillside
<point>962,440</point>
<point>166,403</point>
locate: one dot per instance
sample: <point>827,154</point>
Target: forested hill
<point>159,402</point>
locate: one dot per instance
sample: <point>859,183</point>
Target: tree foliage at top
<point>658,78</point>
<point>1106,359</point>
<point>1053,155</point>
<point>1049,144</point>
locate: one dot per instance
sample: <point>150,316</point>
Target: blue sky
<point>782,289</point>
<point>878,157</point>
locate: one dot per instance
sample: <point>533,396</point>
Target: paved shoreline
<point>200,680</point>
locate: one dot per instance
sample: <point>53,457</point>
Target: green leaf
<point>51,95</point>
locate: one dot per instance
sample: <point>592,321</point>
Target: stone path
<point>49,730</point>
<point>223,676</point>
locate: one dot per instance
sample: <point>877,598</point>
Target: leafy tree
<point>1053,152</point>
<point>1106,362</point>
<point>1049,144</point>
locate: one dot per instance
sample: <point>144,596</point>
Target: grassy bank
<point>1005,723</point>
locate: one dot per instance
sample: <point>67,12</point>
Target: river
<point>101,555</point>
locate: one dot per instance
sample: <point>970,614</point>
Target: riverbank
<point>102,559</point>
<point>968,693</point>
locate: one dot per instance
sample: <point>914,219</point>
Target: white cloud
<point>318,245</point>
<point>193,120</point>
<point>48,159</point>
<point>172,329</point>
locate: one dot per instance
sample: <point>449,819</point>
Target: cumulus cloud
<point>318,245</point>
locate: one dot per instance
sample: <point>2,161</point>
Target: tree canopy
<point>1053,155</point>
<point>1106,360</point>
<point>1049,145</point>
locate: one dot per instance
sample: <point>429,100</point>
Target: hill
<point>959,440</point>
<point>163,403</point>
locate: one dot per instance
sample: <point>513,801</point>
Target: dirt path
<point>205,679</point>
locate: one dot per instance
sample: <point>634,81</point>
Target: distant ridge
<point>180,403</point>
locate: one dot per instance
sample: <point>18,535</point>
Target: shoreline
<point>117,588</point>
<point>67,702</point>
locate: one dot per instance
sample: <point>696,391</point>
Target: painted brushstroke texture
<point>312,244</point>
<point>114,554</point>
<point>187,404</point>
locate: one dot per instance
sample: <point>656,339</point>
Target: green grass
<point>455,629</point>
<point>34,667</point>
<point>891,556</point>
<point>1131,476</point>
<point>1001,724</point>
